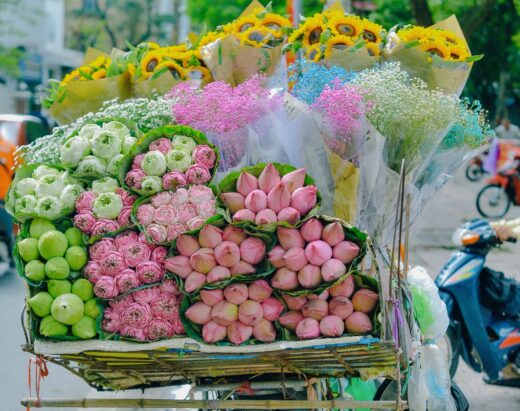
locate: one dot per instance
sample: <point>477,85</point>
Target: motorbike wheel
<point>493,201</point>
<point>474,172</point>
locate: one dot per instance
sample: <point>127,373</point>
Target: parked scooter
<point>483,306</point>
<point>475,169</point>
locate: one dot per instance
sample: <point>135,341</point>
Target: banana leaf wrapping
<point>162,132</point>
<point>229,183</point>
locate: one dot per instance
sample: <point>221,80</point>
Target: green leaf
<point>474,58</point>
<point>159,73</point>
<point>411,44</point>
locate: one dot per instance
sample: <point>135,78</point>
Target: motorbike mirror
<point>469,239</point>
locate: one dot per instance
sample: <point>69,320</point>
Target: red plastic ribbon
<point>245,388</point>
<point>40,372</point>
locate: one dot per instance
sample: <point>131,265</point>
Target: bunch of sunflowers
<point>444,43</point>
<point>320,35</point>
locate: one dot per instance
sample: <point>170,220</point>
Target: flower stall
<point>206,215</point>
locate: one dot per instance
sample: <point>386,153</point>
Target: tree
<point>9,56</point>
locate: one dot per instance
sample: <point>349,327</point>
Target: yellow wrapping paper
<point>346,177</point>
<point>148,88</point>
<point>352,59</point>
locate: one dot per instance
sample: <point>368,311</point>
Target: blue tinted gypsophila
<point>310,79</point>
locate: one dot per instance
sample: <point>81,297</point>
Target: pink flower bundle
<point>215,255</point>
<point>120,265</point>
<point>310,255</point>
<point>102,213</point>
<point>147,315</point>
<point>271,198</point>
<point>237,313</point>
<point>169,214</point>
<point>331,313</point>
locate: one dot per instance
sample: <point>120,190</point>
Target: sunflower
<point>131,69</point>
<point>174,68</point>
<point>312,30</point>
<point>449,37</point>
<point>209,38</point>
<point>458,52</point>
<point>346,25</point>
<point>179,48</point>
<point>152,45</point>
<point>413,33</point>
<point>314,52</point>
<point>229,28</point>
<point>256,37</point>
<point>245,23</point>
<point>372,32</point>
<point>337,43</point>
<point>150,61</point>
<point>275,22</point>
<point>436,46</point>
<point>373,49</point>
<point>100,62</point>
<point>99,74</point>
<point>198,73</point>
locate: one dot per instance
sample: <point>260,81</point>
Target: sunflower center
<point>175,72</point>
<point>314,36</point>
<point>371,52</point>
<point>152,64</point>
<point>256,36</point>
<point>195,75</point>
<point>435,50</point>
<point>370,36</point>
<point>340,46</point>
<point>455,56</point>
<point>245,27</point>
<point>346,29</point>
<point>273,26</point>
<point>313,54</point>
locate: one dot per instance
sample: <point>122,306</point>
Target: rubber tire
<point>475,175</point>
<point>479,195</point>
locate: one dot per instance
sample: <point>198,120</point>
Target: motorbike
<point>475,169</point>
<point>480,332</point>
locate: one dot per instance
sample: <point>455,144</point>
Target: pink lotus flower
<point>333,234</point>
<point>285,279</point>
<point>332,270</point>
<point>174,180</point>
<point>164,214</point>
<point>290,320</point>
<point>159,255</point>
<point>146,295</point>
<point>294,180</point>
<point>127,198</point>
<point>145,214</point>
<point>236,293</point>
<point>106,287</point>
<point>295,259</point>
<point>138,159</point>
<point>278,198</point>
<point>92,272</point>
<point>341,307</point>
<point>212,332</point>
<point>290,238</point>
<point>161,199</point>
<point>344,289</point>
<point>112,264</point>
<point>311,230</point>
<point>246,183</point>
<point>186,212</point>
<point>111,321</point>
<point>121,304</point>
<point>259,290</point>
<point>180,197</point>
<point>203,260</point>
<point>206,210</point>
<point>224,313</point>
<point>161,144</point>
<point>158,329</point>
<point>289,214</point>
<point>124,218</point>
<point>98,251</point>
<point>197,174</point>
<point>227,254</point>
<point>250,312</point>
<point>149,272</point>
<point>316,309</point>
<point>85,201</point>
<point>345,251</point>
<point>234,234</point>
<point>242,268</point>
<point>308,328</point>
<point>204,155</point>
<point>295,303</point>
<point>358,323</point>
<point>266,216</point>
<point>194,281</point>
<point>200,194</point>
<point>318,252</point>
<point>304,199</point>
<point>233,201</point>
<point>310,276</point>
<point>133,332</point>
<point>137,315</point>
<point>218,273</point>
<point>179,265</point>
<point>157,233</point>
<point>173,231</point>
<point>191,224</point>
<point>166,307</point>
<point>252,250</point>
<point>272,308</point>
<point>211,297</point>
<point>210,236</point>
<point>199,313</point>
<point>125,238</point>
<point>134,178</point>
<point>169,286</point>
<point>332,326</point>
<point>104,226</point>
<point>275,256</point>
<point>244,215</point>
<point>365,300</point>
<point>256,201</point>
<point>264,331</point>
<point>84,222</point>
<point>268,179</point>
<point>238,333</point>
<point>127,280</point>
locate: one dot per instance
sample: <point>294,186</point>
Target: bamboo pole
<point>203,404</point>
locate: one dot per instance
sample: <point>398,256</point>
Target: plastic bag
<point>437,379</point>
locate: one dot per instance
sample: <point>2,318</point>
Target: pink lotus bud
<point>179,265</point>
<point>252,250</point>
<point>318,252</point>
<point>316,309</point>
<point>210,236</point>
<point>244,215</point>
<point>236,293</point>
<point>218,273</point>
<point>212,332</point>
<point>266,216</point>
<point>170,287</point>
<point>149,272</point>
<point>269,178</point>
<point>276,256</point>
<point>308,328</point>
<point>333,234</point>
<point>199,313</point>
<point>194,281</point>
<point>279,197</point>
<point>294,180</point>
<point>264,331</point>
<point>224,313</point>
<point>211,297</point>
<point>332,326</point>
<point>192,224</point>
<point>227,254</point>
<point>285,279</point>
<point>242,268</point>
<point>158,255</point>
<point>365,300</point>
<point>234,234</point>
<point>358,323</point>
<point>311,230</point>
<point>295,259</point>
<point>127,280</point>
<point>309,276</point>
<point>246,183</point>
<point>259,290</point>
<point>203,260</point>
<point>332,269</point>
<point>173,180</point>
<point>345,251</point>
<point>256,201</point>
<point>323,296</point>
<point>238,333</point>
<point>233,201</point>
<point>161,199</point>
<point>187,245</point>
<point>295,303</point>
<point>343,289</point>
<point>290,238</point>
<point>289,214</point>
<point>205,155</point>
<point>272,308</point>
<point>162,144</point>
<point>250,312</point>
<point>341,306</point>
<point>304,199</point>
<point>106,287</point>
<point>290,320</point>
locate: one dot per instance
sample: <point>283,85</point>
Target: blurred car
<point>22,129</point>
